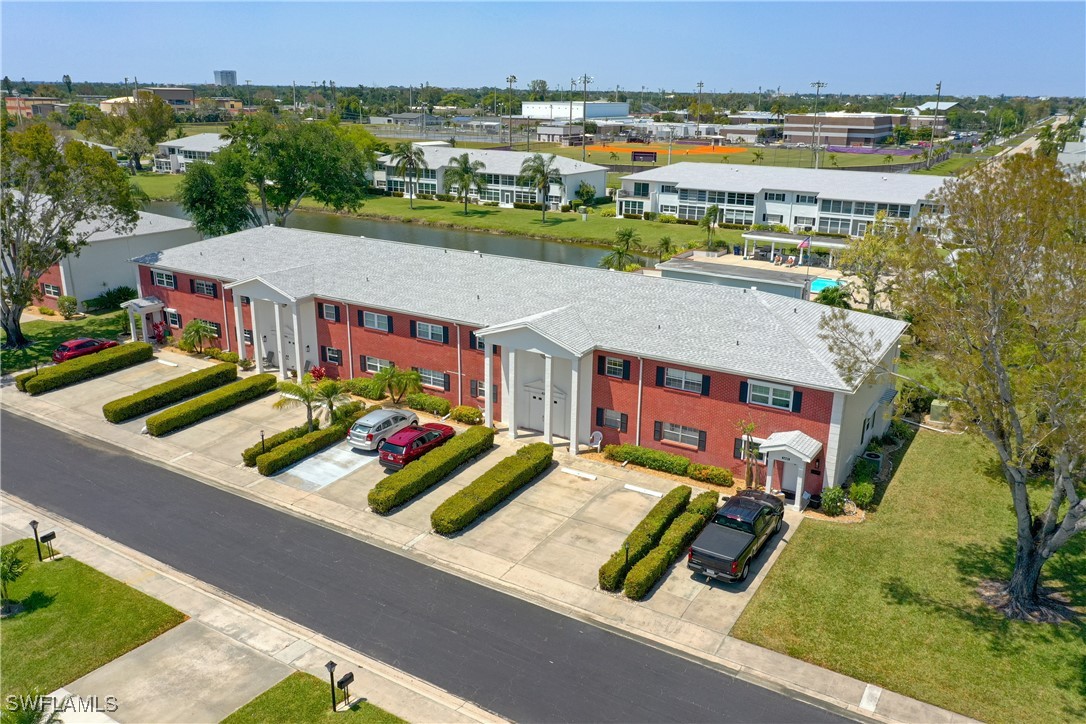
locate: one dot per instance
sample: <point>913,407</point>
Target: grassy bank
<point>159,186</point>
<point>47,336</point>
<point>893,601</point>
<point>303,697</point>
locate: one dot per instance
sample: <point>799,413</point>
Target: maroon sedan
<point>413,443</point>
<point>78,347</point>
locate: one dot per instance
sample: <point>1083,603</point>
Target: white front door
<point>536,403</point>
<point>507,197</point>
<point>789,478</point>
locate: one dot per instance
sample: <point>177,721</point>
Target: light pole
<point>37,541</point>
<point>818,86</point>
<point>511,79</point>
<point>697,128</point>
<point>572,89</point>
<point>585,79</point>
<point>249,92</point>
<point>331,666</point>
<point>934,120</point>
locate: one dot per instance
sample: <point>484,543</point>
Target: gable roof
<point>826,183</point>
<point>698,325</point>
<point>503,162</point>
<point>201,142</point>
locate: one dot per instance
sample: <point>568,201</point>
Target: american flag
<point>805,244</point>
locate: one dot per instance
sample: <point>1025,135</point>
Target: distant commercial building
<point>407,119</point>
<point>116,106</point>
<point>926,122</point>
<point>226,77</point>
<point>841,129</point>
<point>561,110</point>
<point>232,105</point>
<point>567,134</point>
<point>748,132</point>
<point>176,96</point>
<point>32,106</point>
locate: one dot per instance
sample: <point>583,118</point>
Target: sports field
<point>677,149</point>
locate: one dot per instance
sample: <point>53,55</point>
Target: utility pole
<point>249,92</point>
<point>511,79</point>
<point>697,128</point>
<point>585,79</point>
<point>572,89</point>
<point>934,120</point>
<point>294,95</point>
<point>815,126</point>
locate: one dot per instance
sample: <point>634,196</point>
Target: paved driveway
<point>327,466</point>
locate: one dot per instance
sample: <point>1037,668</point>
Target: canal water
<point>516,246</point>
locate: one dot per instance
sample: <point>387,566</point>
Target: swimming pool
<point>822,283</point>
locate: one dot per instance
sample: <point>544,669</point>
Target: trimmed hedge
<point>366,387</point>
<point>710,474</point>
<point>428,403</point>
<point>643,538</point>
<point>429,470</point>
<point>85,368</point>
<point>250,454</point>
<point>643,576</point>
<point>167,393</point>
<point>293,448</point>
<point>210,403</point>
<point>467,414</point>
<point>704,505</point>
<point>492,487</point>
<point>648,458</point>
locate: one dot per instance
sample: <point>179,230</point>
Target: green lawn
<point>75,619</point>
<point>304,699</point>
<point>893,601</point>
<point>47,336</point>
<point>951,166</point>
<point>159,186</point>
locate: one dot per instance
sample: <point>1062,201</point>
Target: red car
<point>413,443</point>
<point>78,347</point>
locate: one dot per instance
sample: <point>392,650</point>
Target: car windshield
<point>62,348</point>
<point>734,523</point>
<point>394,449</point>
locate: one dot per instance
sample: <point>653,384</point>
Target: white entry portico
<point>794,450</point>
<point>282,326</point>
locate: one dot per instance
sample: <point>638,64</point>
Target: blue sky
<point>856,47</point>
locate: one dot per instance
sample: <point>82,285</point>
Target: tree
<point>889,159</point>
<point>1004,324</point>
<point>133,144</point>
<point>455,100</point>
<point>1047,144</point>
<point>464,173</point>
<point>777,109</point>
<point>627,241</point>
<point>407,159</point>
<point>876,260</point>
<point>397,382</point>
<point>758,156</point>
<point>833,159</point>
<point>665,247</point>
<point>299,394</point>
<point>33,708</point>
<point>196,333</point>
<point>836,296</point>
<point>586,193</point>
<point>153,116</point>
<point>54,197</point>
<point>540,172</point>
<point>330,394</point>
<point>708,222</point>
<point>11,568</point>
<point>537,90</point>
<point>215,196</point>
<point>102,127</point>
<point>750,456</point>
<point>67,80</point>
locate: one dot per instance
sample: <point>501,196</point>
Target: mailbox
<point>346,681</point>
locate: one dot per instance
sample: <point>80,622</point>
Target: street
<point>510,656</point>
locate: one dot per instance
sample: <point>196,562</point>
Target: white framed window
<point>173,318</point>
<point>806,199</point>
<point>640,188</point>
<point>163,279</point>
<point>668,189</point>
<point>215,326</point>
<point>247,336</point>
<point>329,312</point>
<point>375,364</point>
<point>740,448</point>
<point>738,216</point>
<point>681,434</point>
<point>331,355</point>
<point>831,225</point>
<point>632,207</point>
<point>201,286</point>
<point>433,332</point>
<point>805,221</point>
<point>614,367</point>
<point>432,378</point>
<point>772,218</point>
<point>51,290</point>
<point>673,210</point>
<point>774,196</point>
<point>373,320</point>
<point>525,197</point>
<point>682,380</point>
<point>763,393</point>
<point>612,418</point>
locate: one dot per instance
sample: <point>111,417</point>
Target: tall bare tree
<point>876,260</point>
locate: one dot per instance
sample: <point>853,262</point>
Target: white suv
<point>370,431</point>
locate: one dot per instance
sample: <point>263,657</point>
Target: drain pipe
<point>350,353</point>
<point>640,386</point>
<point>459,369</point>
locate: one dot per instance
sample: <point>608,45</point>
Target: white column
<point>548,397</point>
<point>238,326</point>
<point>131,324</point>
<point>769,463</point>
<point>801,483</point>
<point>574,404</point>
<point>511,393</point>
<point>258,339</point>
<point>299,362</point>
<point>488,382</point>
<point>279,342</point>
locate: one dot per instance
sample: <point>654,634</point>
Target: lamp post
<point>818,86</point>
<point>37,541</point>
<point>511,79</point>
<point>331,666</point>
<point>934,120</point>
<point>585,79</point>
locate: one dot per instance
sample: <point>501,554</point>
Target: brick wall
<point>52,276</point>
<point>199,306</point>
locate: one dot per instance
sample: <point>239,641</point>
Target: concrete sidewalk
<point>544,545</point>
<point>225,655</point>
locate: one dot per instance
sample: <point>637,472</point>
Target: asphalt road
<point>512,657</point>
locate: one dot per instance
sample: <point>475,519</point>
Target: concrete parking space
<point>326,467</point>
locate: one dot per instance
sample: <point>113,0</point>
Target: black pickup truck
<point>735,535</point>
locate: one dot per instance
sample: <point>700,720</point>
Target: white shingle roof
<point>700,325</point>
<point>803,445</point>
<point>504,162</point>
<point>147,224</point>
<point>896,188</point>
<point>201,142</point>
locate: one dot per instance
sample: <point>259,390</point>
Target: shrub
<point>631,216</point>
<point>167,393</point>
<point>576,204</point>
<point>397,194</point>
<point>246,364</point>
<point>648,458</point>
<point>231,357</point>
<point>213,352</point>
<point>864,471</point>
<point>21,380</point>
<point>490,203</point>
<point>862,494</point>
<point>491,488</point>
<point>687,222</point>
<point>186,346</point>
<point>649,215</point>
<point>899,429</point>
<point>111,299</point>
<point>608,213</point>
<point>209,404</point>
<point>291,451</point>
<point>47,311</point>
<point>667,218</point>
<point>446,197</point>
<point>250,454</point>
<point>87,367</point>
<point>565,208</point>
<point>704,504</point>
<point>429,470</point>
<point>424,197</point>
<point>643,538</point>
<point>366,387</point>
<point>467,414</point>
<point>710,474</point>
<point>428,403</point>
<point>833,502</point>
<point>643,576</point>
<point>67,306</point>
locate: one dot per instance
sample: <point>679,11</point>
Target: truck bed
<point>717,546</point>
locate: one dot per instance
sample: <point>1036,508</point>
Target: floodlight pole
<point>934,120</point>
<point>818,86</point>
<point>511,79</point>
<point>585,79</point>
<point>697,128</point>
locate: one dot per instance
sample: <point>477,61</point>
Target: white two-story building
<point>826,201</point>
<point>174,156</point>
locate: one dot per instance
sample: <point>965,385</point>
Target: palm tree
<point>834,297</point>
<point>614,156</point>
<point>707,222</point>
<point>293,394</point>
<point>196,333</point>
<point>758,156</point>
<point>465,173</point>
<point>540,172</point>
<point>777,109</point>
<point>11,568</point>
<point>398,382</point>
<point>833,159</point>
<point>328,394</point>
<point>622,251</point>
<point>665,247</point>
<point>888,158</point>
<point>407,159</point>
<point>32,709</point>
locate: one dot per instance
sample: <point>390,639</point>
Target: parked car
<point>734,536</point>
<point>368,432</point>
<point>78,347</point>
<point>413,443</point>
